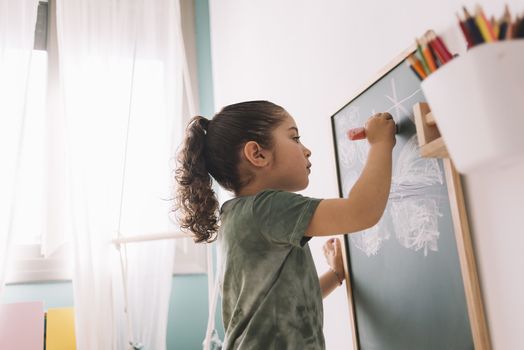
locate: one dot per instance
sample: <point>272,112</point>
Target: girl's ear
<point>255,154</point>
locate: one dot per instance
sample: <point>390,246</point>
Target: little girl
<point>271,293</point>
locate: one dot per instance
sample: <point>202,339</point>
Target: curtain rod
<point>150,237</point>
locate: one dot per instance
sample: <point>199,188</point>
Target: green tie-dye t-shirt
<point>271,296</point>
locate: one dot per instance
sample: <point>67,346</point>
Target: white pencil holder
<point>477,101</point>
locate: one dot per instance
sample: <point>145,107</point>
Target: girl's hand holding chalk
<point>379,128</point>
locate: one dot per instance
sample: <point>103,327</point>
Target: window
<point>28,264</point>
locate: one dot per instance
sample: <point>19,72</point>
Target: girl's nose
<point>307,152</point>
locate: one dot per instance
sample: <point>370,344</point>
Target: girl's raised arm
<point>368,198</point>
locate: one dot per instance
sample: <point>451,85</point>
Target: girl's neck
<point>253,188</point>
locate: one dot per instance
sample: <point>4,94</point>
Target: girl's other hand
<point>333,253</point>
<point>380,128</point>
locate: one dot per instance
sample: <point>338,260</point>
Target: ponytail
<point>195,199</point>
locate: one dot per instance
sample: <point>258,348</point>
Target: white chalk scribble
<point>370,241</point>
<point>415,213</point>
<point>415,221</point>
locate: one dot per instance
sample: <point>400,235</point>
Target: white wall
<point>310,57</point>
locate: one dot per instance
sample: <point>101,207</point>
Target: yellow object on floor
<point>60,329</point>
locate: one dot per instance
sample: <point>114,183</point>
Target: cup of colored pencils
<point>432,53</point>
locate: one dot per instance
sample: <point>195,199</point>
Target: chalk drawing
<point>370,241</point>
<point>413,212</point>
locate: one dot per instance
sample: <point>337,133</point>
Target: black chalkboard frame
<point>473,295</point>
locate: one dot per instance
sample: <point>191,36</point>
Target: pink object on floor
<point>22,326</point>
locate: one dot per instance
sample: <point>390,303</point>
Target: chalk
<point>357,134</point>
<point>360,133</point>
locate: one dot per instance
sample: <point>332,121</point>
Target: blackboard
<point>405,280</point>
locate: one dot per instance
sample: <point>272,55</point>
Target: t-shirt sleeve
<point>283,217</point>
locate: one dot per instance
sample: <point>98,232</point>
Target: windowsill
<point>28,265</point>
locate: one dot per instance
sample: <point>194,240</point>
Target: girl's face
<point>290,167</point>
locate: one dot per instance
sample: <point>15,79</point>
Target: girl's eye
<point>296,138</point>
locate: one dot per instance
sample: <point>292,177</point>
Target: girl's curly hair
<point>212,149</point>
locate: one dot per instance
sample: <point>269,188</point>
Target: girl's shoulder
<point>253,197</point>
<point>267,201</point>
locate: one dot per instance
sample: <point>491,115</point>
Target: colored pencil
<point>502,30</point>
<point>496,27</point>
<point>465,31</point>
<point>510,31</point>
<point>439,47</point>
<point>505,24</point>
<point>422,59</point>
<point>474,31</point>
<point>428,55</point>
<point>437,52</point>
<point>415,71</point>
<point>417,66</point>
<point>519,28</point>
<point>448,55</point>
<point>484,25</point>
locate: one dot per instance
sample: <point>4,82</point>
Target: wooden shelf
<point>429,140</point>
<point>430,120</point>
<point>434,149</point>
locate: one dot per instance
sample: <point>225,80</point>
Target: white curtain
<point>148,292</point>
<point>121,66</point>
<point>17,32</point>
